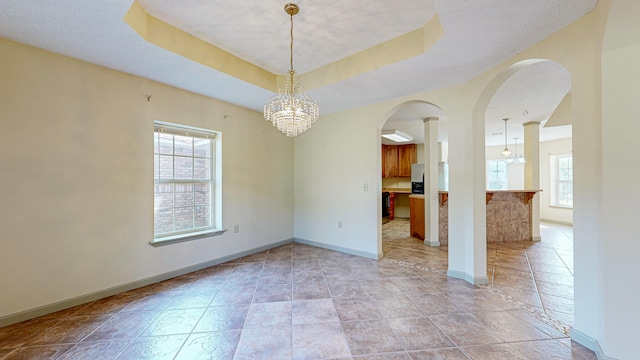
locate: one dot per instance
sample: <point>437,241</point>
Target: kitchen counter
<point>398,205</point>
<point>508,215</point>
<point>397,190</point>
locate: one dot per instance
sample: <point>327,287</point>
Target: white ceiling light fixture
<point>396,135</point>
<point>291,111</point>
<point>506,152</point>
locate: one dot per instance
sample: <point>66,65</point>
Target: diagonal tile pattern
<point>301,302</point>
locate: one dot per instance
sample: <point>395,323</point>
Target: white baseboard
<point>557,222</point>
<point>83,299</point>
<point>434,243</point>
<point>341,249</point>
<point>590,343</point>
<point>474,280</point>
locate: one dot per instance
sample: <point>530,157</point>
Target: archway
<point>407,117</point>
<point>534,95</point>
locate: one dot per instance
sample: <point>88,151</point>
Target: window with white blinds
<point>184,181</point>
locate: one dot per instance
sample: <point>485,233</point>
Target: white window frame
<point>214,183</point>
<point>557,182</point>
<point>505,182</point>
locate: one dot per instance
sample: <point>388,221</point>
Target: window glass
<point>184,180</point>
<point>497,175</point>
<point>562,180</point>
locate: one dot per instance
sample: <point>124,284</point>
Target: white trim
<point>341,249</point>
<point>590,343</point>
<point>473,280</point>
<point>435,243</point>
<point>174,239</point>
<point>557,222</point>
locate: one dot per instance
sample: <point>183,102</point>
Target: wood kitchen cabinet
<point>397,160</point>
<point>416,220</point>
<point>406,157</point>
<point>389,161</point>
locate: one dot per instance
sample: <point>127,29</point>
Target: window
<point>185,190</point>
<point>561,180</point>
<point>496,175</point>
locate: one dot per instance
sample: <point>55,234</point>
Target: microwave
<point>417,187</point>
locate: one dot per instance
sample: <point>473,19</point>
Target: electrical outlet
<point>339,224</point>
<point>365,187</point>
<point>236,228</point>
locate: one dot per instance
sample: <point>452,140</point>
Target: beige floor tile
<point>370,337</point>
<point>464,329</point>
<point>357,309</point>
<point>210,345</point>
<point>509,327</point>
<point>269,314</point>
<point>319,341</point>
<point>494,352</point>
<point>418,333</point>
<point>256,343</point>
<point>438,354</point>
<point>314,311</point>
<point>155,347</point>
<point>228,317</point>
<point>99,350</point>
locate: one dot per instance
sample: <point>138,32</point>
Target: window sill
<point>561,207</point>
<point>174,239</point>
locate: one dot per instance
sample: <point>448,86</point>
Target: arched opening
<point>530,101</point>
<point>397,185</point>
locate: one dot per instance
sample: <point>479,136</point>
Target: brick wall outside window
<point>183,182</point>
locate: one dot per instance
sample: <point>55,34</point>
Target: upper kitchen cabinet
<point>406,157</point>
<point>389,161</point>
<point>397,160</point>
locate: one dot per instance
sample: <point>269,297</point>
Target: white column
<point>467,200</point>
<point>532,172</point>
<point>431,203</point>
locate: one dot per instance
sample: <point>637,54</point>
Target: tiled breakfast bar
<point>508,215</point>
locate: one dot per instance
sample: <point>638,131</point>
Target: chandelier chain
<point>291,70</point>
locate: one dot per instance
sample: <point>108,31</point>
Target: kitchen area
<point>403,179</point>
<point>509,212</point>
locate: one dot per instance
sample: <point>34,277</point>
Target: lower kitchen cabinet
<point>416,219</point>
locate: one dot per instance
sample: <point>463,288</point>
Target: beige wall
<point>621,193</point>
<point>76,184</point>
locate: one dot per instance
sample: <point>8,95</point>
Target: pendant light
<point>291,111</point>
<point>506,152</point>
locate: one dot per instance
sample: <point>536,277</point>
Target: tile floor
<point>302,302</point>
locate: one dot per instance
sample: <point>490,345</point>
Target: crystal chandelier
<point>291,111</point>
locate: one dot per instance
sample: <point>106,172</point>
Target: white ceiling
<point>477,35</point>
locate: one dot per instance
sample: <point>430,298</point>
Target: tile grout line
<point>535,282</point>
